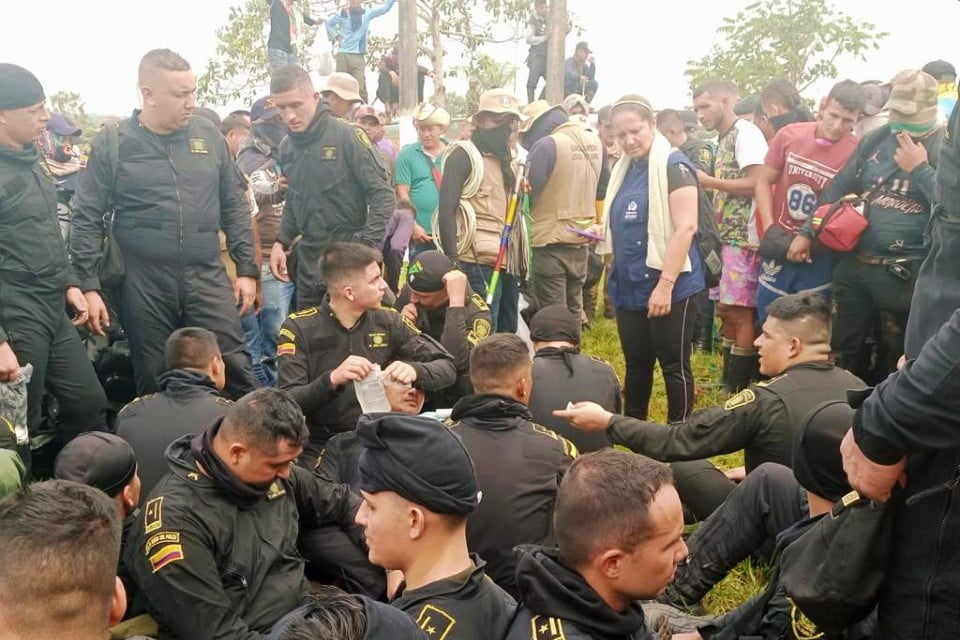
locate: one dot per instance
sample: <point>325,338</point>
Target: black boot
<point>725,346</point>
<point>743,370</point>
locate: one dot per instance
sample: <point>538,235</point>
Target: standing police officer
<point>175,190</point>
<point>36,281</point>
<point>338,190</point>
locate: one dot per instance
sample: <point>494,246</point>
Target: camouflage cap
<point>913,98</point>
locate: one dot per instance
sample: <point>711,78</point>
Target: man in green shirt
<point>417,173</point>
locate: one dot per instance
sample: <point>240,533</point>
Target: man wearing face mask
<point>259,160</point>
<point>477,181</point>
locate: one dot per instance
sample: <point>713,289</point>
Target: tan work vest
<point>570,194</point>
<point>490,204</point>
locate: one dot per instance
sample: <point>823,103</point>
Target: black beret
<point>97,459</point>
<point>19,88</point>
<point>425,274</point>
<point>817,464</point>
<point>554,323</point>
<point>419,459</point>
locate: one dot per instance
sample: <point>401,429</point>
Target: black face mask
<point>270,132</point>
<point>800,114</point>
<point>495,141</point>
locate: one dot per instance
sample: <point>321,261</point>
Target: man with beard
<point>478,178</point>
<point>337,189</point>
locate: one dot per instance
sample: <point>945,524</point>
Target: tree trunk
<point>557,30</point>
<point>439,88</point>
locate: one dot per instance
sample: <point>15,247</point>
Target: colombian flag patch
<point>165,555</point>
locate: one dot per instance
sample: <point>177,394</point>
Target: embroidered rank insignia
<point>276,491</point>
<point>165,555</point>
<point>286,333</point>
<point>410,324</point>
<point>363,137</point>
<point>153,515</point>
<point>542,628</point>
<point>742,399</point>
<point>286,349</point>
<point>377,340</point>
<point>328,153</point>
<point>479,302</point>
<point>435,622</point>
<point>198,146</point>
<point>304,313</point>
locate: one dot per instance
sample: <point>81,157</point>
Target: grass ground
<point>602,341</point>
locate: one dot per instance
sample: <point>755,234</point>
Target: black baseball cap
<point>583,45</point>
<point>425,274</point>
<point>97,459</point>
<point>263,109</point>
<point>555,323</point>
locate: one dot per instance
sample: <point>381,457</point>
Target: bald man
<point>168,182</point>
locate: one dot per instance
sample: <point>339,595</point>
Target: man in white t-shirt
<point>741,149</point>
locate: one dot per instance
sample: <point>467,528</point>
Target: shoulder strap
<point>112,132</point>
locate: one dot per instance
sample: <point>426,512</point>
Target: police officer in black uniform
<point>419,486</point>
<point>322,350</point>
<point>337,189</point>
<point>172,188</point>
<point>438,299</point>
<point>619,528</point>
<point>519,463</point>
<point>215,548</point>
<point>188,401</point>
<point>561,373</point>
<point>37,286</point>
<point>762,419</point>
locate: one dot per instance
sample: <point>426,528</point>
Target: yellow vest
<point>569,196</point>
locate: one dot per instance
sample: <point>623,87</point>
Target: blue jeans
<point>277,59</point>
<point>276,305</point>
<point>505,310</point>
<point>252,342</point>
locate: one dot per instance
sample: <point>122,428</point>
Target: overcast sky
<point>93,46</point>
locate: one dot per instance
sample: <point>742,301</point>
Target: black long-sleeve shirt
<point>280,26</point>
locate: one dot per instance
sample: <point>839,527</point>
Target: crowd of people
<point>351,400</point>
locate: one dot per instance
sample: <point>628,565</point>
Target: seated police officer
<point>188,401</point>
<point>519,463</point>
<point>107,462</point>
<point>762,419</point>
<point>439,300</point>
<point>562,373</point>
<point>322,350</point>
<point>215,548</point>
<point>619,528</point>
<point>819,478</point>
<point>419,486</point>
<point>332,613</point>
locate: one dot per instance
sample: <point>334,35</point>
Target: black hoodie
<point>519,467</point>
<point>558,603</point>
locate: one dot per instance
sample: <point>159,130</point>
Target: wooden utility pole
<point>556,52</point>
<point>408,57</point>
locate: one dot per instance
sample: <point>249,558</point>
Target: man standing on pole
<point>350,27</point>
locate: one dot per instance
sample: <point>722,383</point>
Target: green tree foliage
<point>484,73</point>
<point>800,40</point>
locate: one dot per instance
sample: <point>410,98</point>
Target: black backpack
<point>708,240</point>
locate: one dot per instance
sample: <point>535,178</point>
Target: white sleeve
<point>751,145</point>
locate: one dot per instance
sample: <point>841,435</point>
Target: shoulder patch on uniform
<point>165,553</point>
<point>767,383</point>
<point>164,537</point>
<point>286,349</point>
<point>546,628</point>
<point>304,313</point>
<point>275,491</point>
<point>8,425</point>
<point>435,622</point>
<point>409,324</point>
<point>153,515</point>
<point>223,401</point>
<point>542,430</point>
<point>363,137</point>
<point>479,302</point>
<point>479,331</point>
<point>286,333</point>
<point>742,399</point>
